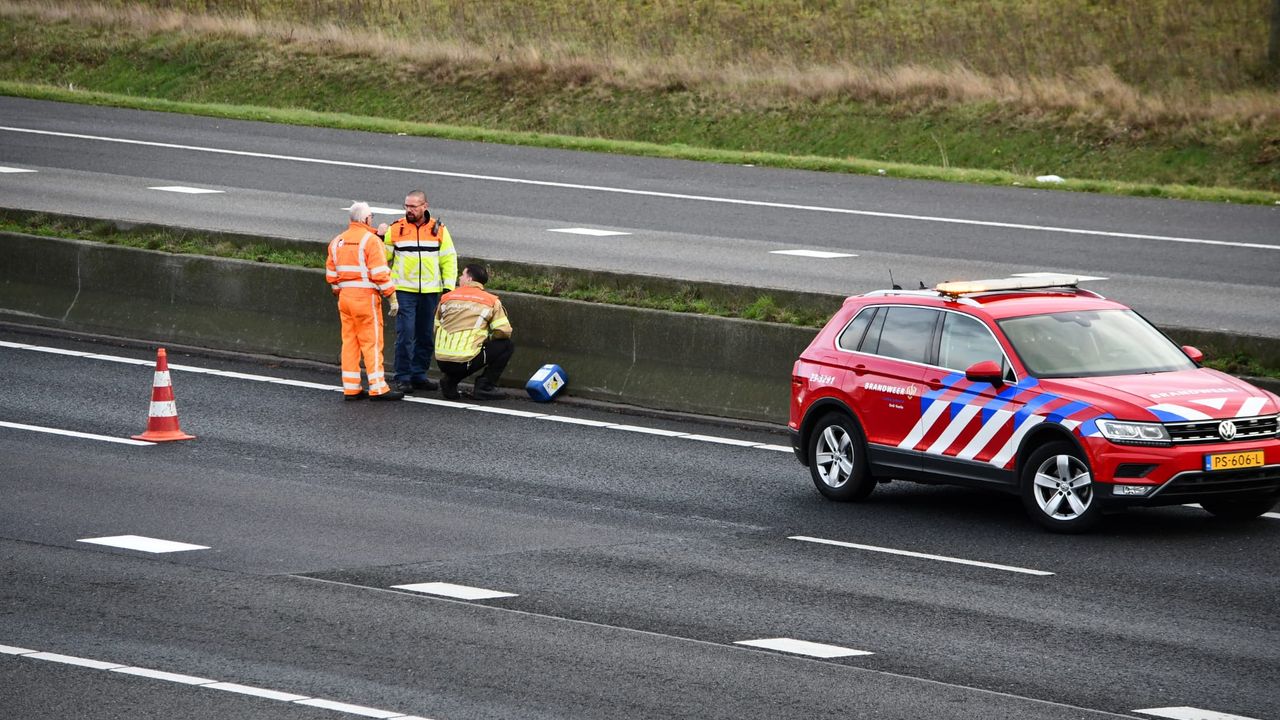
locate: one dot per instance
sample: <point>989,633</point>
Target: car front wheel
<point>838,460</point>
<point>1058,489</point>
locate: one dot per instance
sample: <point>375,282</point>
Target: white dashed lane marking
<point>14,170</point>
<point>410,399</point>
<point>461,592</point>
<point>186,190</point>
<point>639,193</point>
<point>143,544</point>
<point>923,556</point>
<point>1190,713</point>
<point>802,647</point>
<point>588,231</point>
<point>821,254</point>
<point>182,679</point>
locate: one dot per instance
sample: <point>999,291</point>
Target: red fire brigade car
<point>1033,386</point>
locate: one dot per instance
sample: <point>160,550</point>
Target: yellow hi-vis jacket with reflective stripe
<point>422,256</point>
<point>356,260</point>
<point>465,319</point>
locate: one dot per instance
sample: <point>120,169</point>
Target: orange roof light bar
<point>966,287</point>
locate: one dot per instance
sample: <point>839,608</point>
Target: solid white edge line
<point>361,710</point>
<point>505,411</point>
<point>74,434</point>
<point>166,676</point>
<point>254,691</point>
<point>775,448</point>
<point>720,440</point>
<point>588,231</point>
<point>348,708</point>
<point>187,190</point>
<point>925,556</point>
<point>648,430</point>
<point>72,660</point>
<point>642,193</point>
<point>408,398</point>
<point>1190,713</point>
<point>818,254</point>
<point>577,421</point>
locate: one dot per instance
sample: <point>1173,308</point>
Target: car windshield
<point>1092,343</point>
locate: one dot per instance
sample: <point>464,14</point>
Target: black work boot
<point>484,390</point>
<point>449,388</point>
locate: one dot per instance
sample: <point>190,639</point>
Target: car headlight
<point>1134,433</point>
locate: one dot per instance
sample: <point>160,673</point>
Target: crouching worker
<point>472,335</point>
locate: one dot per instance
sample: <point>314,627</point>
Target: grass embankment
<point>1004,91</point>
<point>656,293</point>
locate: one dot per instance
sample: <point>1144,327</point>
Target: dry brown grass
<point>700,51</point>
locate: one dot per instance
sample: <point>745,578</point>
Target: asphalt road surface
<point>1183,264</point>
<point>628,561</point>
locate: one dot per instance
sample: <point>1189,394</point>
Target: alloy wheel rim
<point>834,456</point>
<point>1063,487</point>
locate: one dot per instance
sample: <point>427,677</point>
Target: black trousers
<point>492,359</point>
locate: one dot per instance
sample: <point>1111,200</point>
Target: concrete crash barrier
<point>649,358</point>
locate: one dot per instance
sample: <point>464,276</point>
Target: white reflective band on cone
<point>163,408</point>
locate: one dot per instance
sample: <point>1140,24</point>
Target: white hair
<point>360,210</point>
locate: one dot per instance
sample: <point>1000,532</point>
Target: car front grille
<point>1206,431</point>
<point>1192,486</point>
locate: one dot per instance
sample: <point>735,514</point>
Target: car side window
<point>907,333</point>
<point>852,335</point>
<point>965,341</point>
<point>871,341</point>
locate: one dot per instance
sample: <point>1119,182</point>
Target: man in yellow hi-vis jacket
<point>472,334</point>
<point>423,265</point>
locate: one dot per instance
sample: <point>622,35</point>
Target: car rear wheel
<point>1239,509</point>
<point>1058,489</point>
<point>838,461</point>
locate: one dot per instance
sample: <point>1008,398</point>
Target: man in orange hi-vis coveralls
<point>357,271</point>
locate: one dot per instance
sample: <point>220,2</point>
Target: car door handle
<point>859,369</point>
<point>933,383</point>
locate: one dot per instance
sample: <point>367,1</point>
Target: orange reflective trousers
<point>361,312</point>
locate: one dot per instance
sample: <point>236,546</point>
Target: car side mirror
<point>1194,353</point>
<point>987,371</point>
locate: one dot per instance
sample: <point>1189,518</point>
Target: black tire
<point>1239,509</point>
<point>1058,490</point>
<point>838,459</point>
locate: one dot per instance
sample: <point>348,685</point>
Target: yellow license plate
<point>1234,461</point>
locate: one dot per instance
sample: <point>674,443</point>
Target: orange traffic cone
<point>162,420</point>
